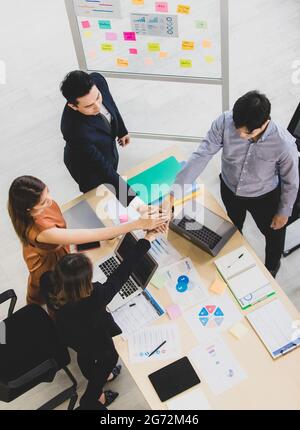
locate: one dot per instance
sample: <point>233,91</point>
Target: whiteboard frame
<point>223,81</point>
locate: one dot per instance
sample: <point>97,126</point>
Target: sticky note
<point>104,25</point>
<point>201,25</point>
<point>129,35</point>
<point>188,45</point>
<point>186,64</point>
<point>161,6</point>
<point>163,54</point>
<point>239,330</point>
<point>87,34</point>
<point>111,36</point>
<point>133,51</point>
<point>159,280</point>
<point>173,311</point>
<point>206,43</point>
<point>122,62</point>
<point>85,24</point>
<point>153,47</point>
<point>138,2</point>
<point>148,61</point>
<point>218,286</point>
<point>108,47</point>
<point>182,8</point>
<point>123,218</point>
<point>92,53</point>
<point>209,59</point>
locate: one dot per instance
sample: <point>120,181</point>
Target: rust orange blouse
<point>41,257</point>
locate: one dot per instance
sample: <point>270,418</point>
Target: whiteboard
<point>174,38</point>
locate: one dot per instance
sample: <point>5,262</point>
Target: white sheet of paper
<point>231,265</point>
<point>217,365</point>
<point>192,400</point>
<point>132,318</point>
<point>195,291</point>
<point>143,342</point>
<point>212,316</point>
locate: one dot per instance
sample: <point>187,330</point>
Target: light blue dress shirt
<point>249,169</point>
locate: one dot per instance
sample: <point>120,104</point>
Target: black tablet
<point>174,379</point>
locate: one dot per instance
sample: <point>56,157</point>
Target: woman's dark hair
<point>251,110</point>
<point>71,279</point>
<point>76,84</point>
<point>24,193</point>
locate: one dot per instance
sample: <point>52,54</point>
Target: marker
<point>132,304</point>
<point>240,256</point>
<point>156,349</point>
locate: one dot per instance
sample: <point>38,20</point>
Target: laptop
<point>138,280</point>
<point>211,235</point>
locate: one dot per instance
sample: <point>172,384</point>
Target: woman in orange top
<point>42,230</point>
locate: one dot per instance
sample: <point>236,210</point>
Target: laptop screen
<point>146,267</point>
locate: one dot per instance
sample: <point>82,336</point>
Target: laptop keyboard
<point>108,267</point>
<point>199,231</point>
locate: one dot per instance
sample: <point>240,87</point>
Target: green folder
<point>154,183</point>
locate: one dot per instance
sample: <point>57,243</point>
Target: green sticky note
<point>104,25</point>
<point>186,64</point>
<point>201,25</point>
<point>159,280</point>
<point>153,47</point>
<point>107,47</point>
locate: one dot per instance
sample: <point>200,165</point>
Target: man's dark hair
<point>251,110</point>
<point>76,84</point>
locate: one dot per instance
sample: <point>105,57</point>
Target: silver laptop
<point>210,234</point>
<point>138,280</point>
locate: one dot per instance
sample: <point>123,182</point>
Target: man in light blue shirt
<point>259,169</point>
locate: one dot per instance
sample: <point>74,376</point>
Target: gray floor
<point>36,45</point>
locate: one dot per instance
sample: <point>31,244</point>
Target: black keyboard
<point>199,231</point>
<point>108,267</point>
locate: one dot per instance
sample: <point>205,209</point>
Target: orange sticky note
<point>182,8</point>
<point>148,61</point>
<point>163,54</point>
<point>122,62</point>
<point>218,286</point>
<point>138,2</point>
<point>206,43</point>
<point>188,45</point>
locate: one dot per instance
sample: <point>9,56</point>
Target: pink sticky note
<point>133,51</point>
<point>123,218</point>
<point>129,35</point>
<point>85,24</point>
<point>148,61</point>
<point>173,311</point>
<point>161,6</point>
<point>111,36</point>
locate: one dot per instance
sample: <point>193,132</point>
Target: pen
<point>132,304</point>
<point>156,349</point>
<point>240,256</point>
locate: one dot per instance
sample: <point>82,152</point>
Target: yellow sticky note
<point>182,8</point>
<point>188,45</point>
<point>159,280</point>
<point>108,47</point>
<point>206,43</point>
<point>239,330</point>
<point>87,34</point>
<point>218,287</point>
<point>122,62</point>
<point>163,54</point>
<point>138,2</point>
<point>185,63</point>
<point>209,59</point>
<point>153,47</point>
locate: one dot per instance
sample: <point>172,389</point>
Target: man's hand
<point>167,207</point>
<point>124,141</point>
<point>279,221</point>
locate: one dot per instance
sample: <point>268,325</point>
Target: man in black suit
<point>91,123</point>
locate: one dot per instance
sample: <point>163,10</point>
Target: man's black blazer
<point>91,154</point>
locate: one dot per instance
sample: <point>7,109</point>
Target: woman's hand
<point>150,235</point>
<point>152,220</point>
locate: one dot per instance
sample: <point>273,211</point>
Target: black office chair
<point>294,129</point>
<point>31,353</point>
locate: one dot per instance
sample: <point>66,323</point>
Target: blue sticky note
<point>104,25</point>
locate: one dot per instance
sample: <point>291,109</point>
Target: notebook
<point>174,379</point>
<point>275,327</point>
<point>243,276</point>
<point>155,182</point>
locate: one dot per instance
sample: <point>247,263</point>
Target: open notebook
<point>244,278</point>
